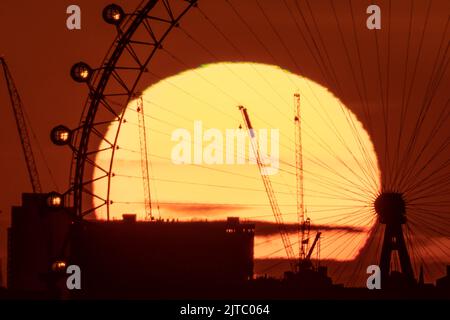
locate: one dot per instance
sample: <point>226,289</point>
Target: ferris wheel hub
<point>391,208</point>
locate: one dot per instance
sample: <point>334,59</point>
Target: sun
<point>191,116</point>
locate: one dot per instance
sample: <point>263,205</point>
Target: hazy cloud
<point>201,208</point>
<point>265,228</point>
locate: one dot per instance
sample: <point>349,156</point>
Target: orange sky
<point>41,51</point>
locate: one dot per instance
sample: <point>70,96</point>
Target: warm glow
<point>116,15</point>
<point>341,174</point>
<point>62,135</point>
<point>84,73</point>
<point>59,266</point>
<point>54,200</point>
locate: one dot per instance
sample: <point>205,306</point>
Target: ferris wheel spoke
<point>365,260</point>
<point>431,238</point>
<point>442,120</point>
<point>431,177</point>
<point>414,138</point>
<point>409,91</point>
<point>369,166</point>
<point>267,50</point>
<point>333,253</point>
<point>364,100</point>
<point>432,228</point>
<point>429,265</point>
<point>403,109</point>
<point>254,34</point>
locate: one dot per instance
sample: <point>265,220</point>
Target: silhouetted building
<point>125,256</point>
<point>309,278</point>
<point>162,257</point>
<point>444,282</point>
<point>36,239</point>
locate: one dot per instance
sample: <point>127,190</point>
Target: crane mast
<point>269,190</point>
<point>303,239</point>
<point>21,124</point>
<point>144,159</point>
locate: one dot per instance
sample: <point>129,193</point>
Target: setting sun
<point>341,174</point>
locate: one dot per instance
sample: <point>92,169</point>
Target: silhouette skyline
<point>397,92</point>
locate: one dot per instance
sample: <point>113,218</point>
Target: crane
<point>19,116</point>
<point>303,241</point>
<point>316,239</point>
<point>269,190</point>
<point>305,224</point>
<point>144,159</point>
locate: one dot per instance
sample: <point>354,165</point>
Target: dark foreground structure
<point>162,258</point>
<point>37,238</point>
<point>124,258</point>
<point>129,259</point>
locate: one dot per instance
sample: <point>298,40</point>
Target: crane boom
<point>21,124</point>
<point>299,177</point>
<point>308,256</point>
<point>144,159</point>
<point>269,190</point>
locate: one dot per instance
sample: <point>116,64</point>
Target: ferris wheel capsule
<point>59,266</point>
<point>61,135</point>
<point>81,72</point>
<point>113,14</point>
<point>55,200</point>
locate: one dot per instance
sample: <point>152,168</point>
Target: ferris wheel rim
<point>96,90</point>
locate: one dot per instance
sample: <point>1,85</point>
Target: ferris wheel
<point>372,179</point>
